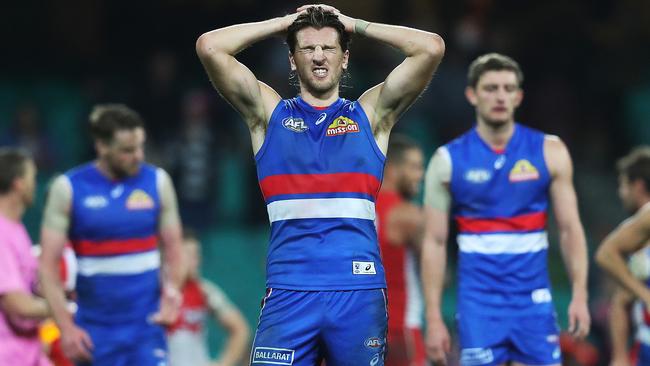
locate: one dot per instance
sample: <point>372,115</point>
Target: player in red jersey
<point>399,225</point>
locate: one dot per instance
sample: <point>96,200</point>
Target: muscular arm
<point>434,243</point>
<point>253,99</point>
<point>54,235</point>
<point>572,237</point>
<point>629,237</point>
<point>169,229</point>
<point>386,102</point>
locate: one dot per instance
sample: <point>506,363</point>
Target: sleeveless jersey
<point>114,235</point>
<point>500,201</point>
<point>405,305</point>
<point>319,171</point>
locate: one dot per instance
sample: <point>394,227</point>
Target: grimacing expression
<point>411,172</point>
<point>125,152</point>
<point>318,59</point>
<point>496,97</point>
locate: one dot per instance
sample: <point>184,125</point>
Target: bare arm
<point>386,102</point>
<point>23,305</point>
<point>572,236</point>
<point>629,237</point>
<point>169,231</point>
<point>75,342</point>
<point>231,319</point>
<point>253,99</point>
<point>619,326</point>
<point>434,253</point>
<point>54,236</point>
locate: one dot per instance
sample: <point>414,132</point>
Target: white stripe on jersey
<point>312,208</point>
<point>119,264</point>
<point>503,243</point>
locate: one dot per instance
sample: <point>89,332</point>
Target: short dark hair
<point>636,165</point>
<point>12,166</point>
<point>397,146</point>
<point>492,62</point>
<point>106,119</point>
<point>318,18</point>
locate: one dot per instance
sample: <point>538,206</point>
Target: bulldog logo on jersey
<point>139,200</point>
<point>341,126</point>
<point>523,171</point>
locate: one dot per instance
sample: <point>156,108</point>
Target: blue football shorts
<point>302,328</point>
<point>493,340</point>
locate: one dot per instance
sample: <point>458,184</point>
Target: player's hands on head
<point>76,344</point>
<point>170,304</point>
<point>438,342</point>
<point>347,21</point>
<point>579,318</point>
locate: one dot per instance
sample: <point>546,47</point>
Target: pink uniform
<point>20,345</point>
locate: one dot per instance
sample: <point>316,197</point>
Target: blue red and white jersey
<point>320,171</point>
<point>113,231</point>
<point>500,202</point>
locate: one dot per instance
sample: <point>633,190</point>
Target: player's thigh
<point>483,339</point>
<point>288,330</point>
<point>536,340</point>
<point>354,332</point>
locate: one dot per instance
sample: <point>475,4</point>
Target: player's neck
<point>103,168</point>
<point>320,99</point>
<point>495,135</point>
<point>11,207</point>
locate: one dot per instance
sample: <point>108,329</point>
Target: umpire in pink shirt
<point>20,309</point>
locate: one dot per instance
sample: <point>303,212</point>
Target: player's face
<point>318,59</point>
<point>411,172</point>
<point>496,97</point>
<point>125,154</point>
<point>27,183</point>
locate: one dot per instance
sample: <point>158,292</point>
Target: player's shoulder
<point>80,170</point>
<point>458,141</point>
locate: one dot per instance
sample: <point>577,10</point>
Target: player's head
<point>191,252</point>
<point>318,50</point>
<point>17,175</point>
<point>119,137</point>
<point>404,165</point>
<point>634,178</point>
<point>494,88</point>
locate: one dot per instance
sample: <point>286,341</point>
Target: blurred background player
<point>320,160</point>
<point>114,210</point>
<point>20,309</point>
<point>630,237</point>
<point>497,181</point>
<point>399,227</point>
<point>201,298</point>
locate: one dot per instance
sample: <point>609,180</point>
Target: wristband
<point>360,26</point>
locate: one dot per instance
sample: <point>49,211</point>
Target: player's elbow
<point>203,46</point>
<point>434,46</point>
<point>603,255</point>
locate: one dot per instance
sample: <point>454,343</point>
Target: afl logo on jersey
<point>294,124</point>
<point>523,171</point>
<point>139,200</point>
<point>477,176</point>
<point>373,342</point>
<point>341,126</point>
